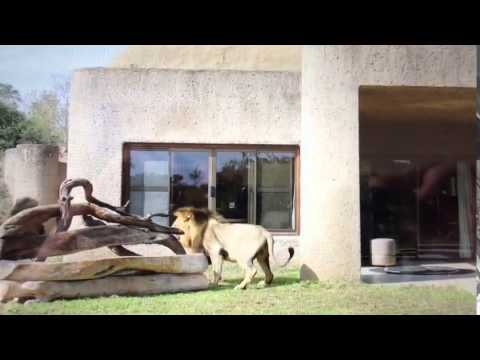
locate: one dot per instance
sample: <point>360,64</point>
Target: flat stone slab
<point>114,285</point>
<point>84,270</point>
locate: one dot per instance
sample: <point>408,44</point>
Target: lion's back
<point>239,238</point>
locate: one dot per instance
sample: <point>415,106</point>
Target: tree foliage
<point>45,121</point>
<point>9,96</point>
<point>12,123</point>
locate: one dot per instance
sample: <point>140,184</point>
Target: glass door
<point>427,206</point>
<point>389,206</point>
<point>256,188</point>
<point>439,220</point>
<point>275,190</point>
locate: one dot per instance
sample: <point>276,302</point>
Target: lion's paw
<point>239,287</point>
<point>262,284</point>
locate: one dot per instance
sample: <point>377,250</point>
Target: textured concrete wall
<point>111,106</point>
<point>5,198</point>
<point>37,173</point>
<point>34,171</point>
<point>332,74</point>
<point>212,57</point>
<point>9,161</point>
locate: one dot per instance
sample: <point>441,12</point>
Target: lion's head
<point>193,222</point>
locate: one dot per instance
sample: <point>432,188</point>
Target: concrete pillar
<point>37,173</point>
<point>9,161</point>
<point>330,203</point>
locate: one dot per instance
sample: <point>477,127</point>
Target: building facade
<point>293,151</point>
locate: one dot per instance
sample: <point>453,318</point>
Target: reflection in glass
<point>235,184</point>
<point>428,206</point>
<point>149,183</point>
<point>189,179</point>
<point>275,190</point>
<point>255,187</point>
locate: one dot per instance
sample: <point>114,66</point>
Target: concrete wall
<point>111,106</point>
<point>332,74</point>
<point>5,199</point>
<point>9,161</point>
<point>212,57</point>
<point>34,170</point>
<point>37,173</point>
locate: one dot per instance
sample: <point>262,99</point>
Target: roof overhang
<point>411,122</point>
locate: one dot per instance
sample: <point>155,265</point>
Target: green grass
<point>286,296</point>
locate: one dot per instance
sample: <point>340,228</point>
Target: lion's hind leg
<point>264,262</point>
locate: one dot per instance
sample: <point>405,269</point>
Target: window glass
<point>255,187</point>
<point>189,179</point>
<point>235,184</point>
<point>275,190</point>
<point>149,183</point>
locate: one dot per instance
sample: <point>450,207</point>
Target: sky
<point>31,68</point>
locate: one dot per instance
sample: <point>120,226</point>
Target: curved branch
<point>87,186</point>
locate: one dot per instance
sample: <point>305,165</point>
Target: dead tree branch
<point>21,236</point>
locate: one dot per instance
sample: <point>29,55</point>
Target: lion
<point>209,233</point>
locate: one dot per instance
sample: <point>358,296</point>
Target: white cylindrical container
<point>383,252</point>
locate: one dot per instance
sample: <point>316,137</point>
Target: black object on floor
<point>427,270</point>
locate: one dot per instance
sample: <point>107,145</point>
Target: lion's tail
<point>270,244</point>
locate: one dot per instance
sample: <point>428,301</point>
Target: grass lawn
<point>286,296</point>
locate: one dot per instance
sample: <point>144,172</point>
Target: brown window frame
<point>128,146</point>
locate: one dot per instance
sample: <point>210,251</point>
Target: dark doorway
<point>418,176</point>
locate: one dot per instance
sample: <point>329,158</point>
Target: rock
<point>114,285</point>
<point>83,270</point>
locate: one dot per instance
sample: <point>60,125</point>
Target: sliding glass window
<point>255,186</point>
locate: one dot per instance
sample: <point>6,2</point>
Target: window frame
<point>212,149</point>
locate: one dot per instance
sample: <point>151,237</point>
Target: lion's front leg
<point>217,265</point>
